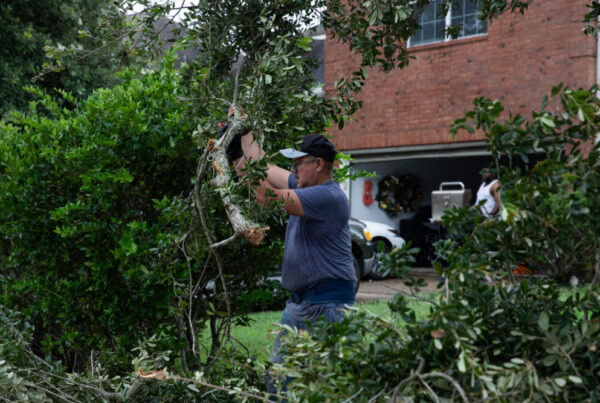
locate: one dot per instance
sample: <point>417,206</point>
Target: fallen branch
<point>164,375</point>
<point>253,232</point>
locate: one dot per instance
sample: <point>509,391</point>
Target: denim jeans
<point>334,312</point>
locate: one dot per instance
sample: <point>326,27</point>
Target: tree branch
<point>449,379</point>
<point>241,225</point>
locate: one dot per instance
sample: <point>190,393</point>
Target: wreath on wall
<point>398,194</point>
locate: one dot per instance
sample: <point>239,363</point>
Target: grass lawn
<point>259,337</point>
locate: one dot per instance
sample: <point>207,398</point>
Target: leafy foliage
<point>490,336</point>
<point>549,212</point>
<point>107,223</point>
<point>31,29</point>
<point>94,213</point>
<point>27,377</point>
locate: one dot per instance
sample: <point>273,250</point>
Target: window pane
<point>470,7</point>
<point>457,8</point>
<point>428,33</point>
<point>464,13</point>
<point>470,26</point>
<point>432,25</point>
<point>429,12</point>
<point>481,27</point>
<point>456,19</point>
<point>439,30</point>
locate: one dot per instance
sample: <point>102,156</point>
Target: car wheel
<point>357,273</point>
<point>378,272</point>
<point>387,246</point>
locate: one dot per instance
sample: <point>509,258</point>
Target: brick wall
<point>517,62</point>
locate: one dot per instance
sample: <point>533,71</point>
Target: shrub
<point>100,245</point>
<point>492,335</point>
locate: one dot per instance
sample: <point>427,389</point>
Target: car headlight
<point>367,234</point>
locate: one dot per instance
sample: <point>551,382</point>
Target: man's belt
<point>326,292</point>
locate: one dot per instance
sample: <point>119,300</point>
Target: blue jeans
<point>334,312</point>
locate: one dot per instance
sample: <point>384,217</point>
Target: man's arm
<point>495,191</point>
<point>276,176</point>
<point>265,192</point>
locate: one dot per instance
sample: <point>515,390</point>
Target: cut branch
<point>253,232</point>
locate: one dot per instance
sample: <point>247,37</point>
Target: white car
<point>384,233</point>
<point>389,238</point>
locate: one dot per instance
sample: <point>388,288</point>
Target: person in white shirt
<point>488,194</point>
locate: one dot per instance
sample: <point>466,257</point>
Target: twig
<point>240,343</point>
<point>221,276</point>
<point>179,9</point>
<point>415,295</point>
<point>431,392</point>
<point>412,376</point>
<point>224,242</point>
<point>103,393</point>
<point>216,387</point>
<point>182,336</point>
<point>371,400</point>
<point>353,396</point>
<point>449,379</point>
<point>62,397</point>
<point>91,52</point>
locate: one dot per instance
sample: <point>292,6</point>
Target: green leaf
<point>373,17</point>
<point>503,213</point>
<point>560,382</point>
<point>364,73</point>
<point>549,360</point>
<point>548,121</point>
<point>543,321</point>
<point>304,43</point>
<point>462,364</point>
<point>575,379</point>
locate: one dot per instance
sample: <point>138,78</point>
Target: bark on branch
<point>253,232</point>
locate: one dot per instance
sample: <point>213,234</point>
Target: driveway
<point>373,290</point>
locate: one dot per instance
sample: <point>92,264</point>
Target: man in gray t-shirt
<point>317,264</point>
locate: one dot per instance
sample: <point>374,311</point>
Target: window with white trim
<point>462,13</point>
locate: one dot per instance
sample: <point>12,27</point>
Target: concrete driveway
<point>373,290</point>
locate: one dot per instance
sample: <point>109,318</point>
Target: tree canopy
<point>30,29</point>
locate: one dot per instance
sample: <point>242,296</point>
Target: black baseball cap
<point>316,145</point>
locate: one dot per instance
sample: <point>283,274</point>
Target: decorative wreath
<point>398,194</point>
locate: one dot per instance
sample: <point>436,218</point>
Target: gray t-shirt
<point>317,246</point>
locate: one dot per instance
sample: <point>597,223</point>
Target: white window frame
<point>447,23</point>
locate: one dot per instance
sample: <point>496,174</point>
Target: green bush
<point>100,246</point>
<point>492,335</point>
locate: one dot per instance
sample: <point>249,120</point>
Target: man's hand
<point>234,149</point>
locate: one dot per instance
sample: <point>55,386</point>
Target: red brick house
<point>403,127</point>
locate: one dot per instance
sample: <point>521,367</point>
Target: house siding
<point>517,62</point>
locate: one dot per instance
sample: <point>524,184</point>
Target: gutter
<point>443,150</point>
